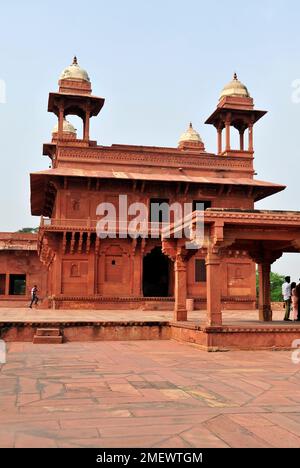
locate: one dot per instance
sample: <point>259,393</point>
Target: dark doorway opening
<point>156,274</point>
<point>2,284</point>
<point>17,285</point>
<point>159,210</point>
<point>201,205</point>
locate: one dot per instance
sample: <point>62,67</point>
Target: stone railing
<point>151,229</point>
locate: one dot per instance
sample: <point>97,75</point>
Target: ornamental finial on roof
<point>75,60</point>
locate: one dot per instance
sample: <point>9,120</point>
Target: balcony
<point>123,228</point>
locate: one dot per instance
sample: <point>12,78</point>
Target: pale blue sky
<point>159,64</point>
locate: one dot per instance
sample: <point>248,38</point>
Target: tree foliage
<point>29,230</point>
<point>276,281</point>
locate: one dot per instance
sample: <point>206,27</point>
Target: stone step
<point>47,339</point>
<point>48,332</point>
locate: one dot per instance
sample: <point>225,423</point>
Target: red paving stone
<point>242,317</point>
<point>147,394</point>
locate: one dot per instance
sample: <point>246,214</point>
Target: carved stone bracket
<point>47,253</point>
<point>265,256</point>
<point>176,250</point>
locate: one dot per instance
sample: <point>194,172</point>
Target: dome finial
<point>74,72</point>
<point>190,135</point>
<point>235,88</point>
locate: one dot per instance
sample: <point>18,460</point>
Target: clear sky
<point>159,64</point>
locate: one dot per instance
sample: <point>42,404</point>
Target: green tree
<point>276,281</point>
<point>29,230</point>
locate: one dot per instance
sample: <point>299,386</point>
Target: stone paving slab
<point>233,317</point>
<point>147,394</point>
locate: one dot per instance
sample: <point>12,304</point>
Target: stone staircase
<point>47,336</point>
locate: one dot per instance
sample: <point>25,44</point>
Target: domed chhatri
<point>68,129</point>
<point>74,72</point>
<point>190,135</point>
<point>191,138</point>
<point>235,88</point>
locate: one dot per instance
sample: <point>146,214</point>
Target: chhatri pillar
<point>250,146</point>
<point>220,128</point>
<point>213,285</point>
<point>227,132</point>
<point>241,132</point>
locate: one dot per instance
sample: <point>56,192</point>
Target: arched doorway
<point>157,271</point>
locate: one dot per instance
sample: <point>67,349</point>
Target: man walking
<point>287,293</point>
<point>34,297</point>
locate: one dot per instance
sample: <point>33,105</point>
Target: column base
<point>265,314</point>
<point>180,315</point>
<point>214,321</point>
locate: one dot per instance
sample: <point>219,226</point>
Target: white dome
<point>74,72</point>
<point>67,127</point>
<point>190,135</point>
<point>235,88</point>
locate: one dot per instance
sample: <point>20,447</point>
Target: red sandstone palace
<point>74,268</point>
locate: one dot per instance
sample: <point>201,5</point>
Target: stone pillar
<point>180,312</point>
<point>86,126</point>
<point>61,122</point>
<point>91,286</point>
<point>227,129</point>
<point>136,274</point>
<point>213,284</point>
<point>250,138</point>
<point>242,140</point>
<point>141,267</point>
<point>264,302</point>
<point>219,140</point>
<point>7,284</point>
<point>57,274</point>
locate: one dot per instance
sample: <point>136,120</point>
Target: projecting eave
<point>74,101</point>
<point>214,118</point>
<point>257,189</point>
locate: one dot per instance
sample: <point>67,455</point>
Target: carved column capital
<point>168,247</point>
<point>180,262</point>
<point>265,257</point>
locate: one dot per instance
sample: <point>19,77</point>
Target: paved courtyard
<point>239,317</point>
<point>147,394</point>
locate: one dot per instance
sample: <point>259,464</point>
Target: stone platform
<point>240,329</point>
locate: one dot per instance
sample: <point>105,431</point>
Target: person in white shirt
<point>287,294</point>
